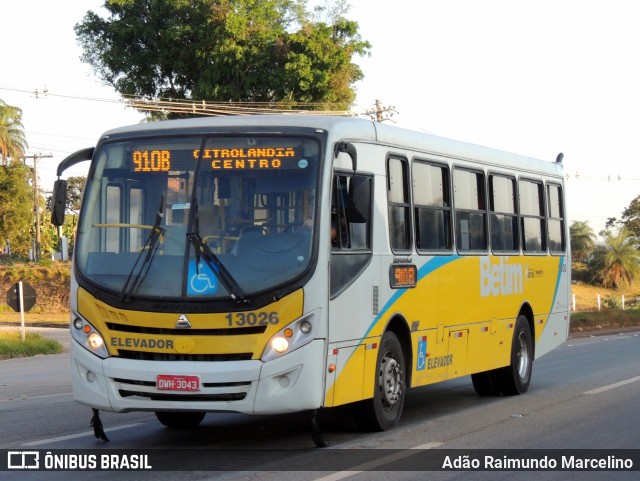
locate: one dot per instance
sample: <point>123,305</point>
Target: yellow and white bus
<point>274,264</point>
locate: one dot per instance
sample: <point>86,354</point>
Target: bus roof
<point>353,129</point>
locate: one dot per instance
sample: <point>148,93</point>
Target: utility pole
<point>381,113</point>
<point>36,198</point>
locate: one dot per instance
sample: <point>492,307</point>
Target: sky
<point>531,77</point>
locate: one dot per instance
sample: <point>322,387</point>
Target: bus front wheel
<point>383,411</point>
<point>180,419</point>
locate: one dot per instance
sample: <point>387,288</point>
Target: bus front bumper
<point>291,383</point>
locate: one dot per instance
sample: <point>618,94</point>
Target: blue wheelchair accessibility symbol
<point>422,356</point>
<point>202,280</point>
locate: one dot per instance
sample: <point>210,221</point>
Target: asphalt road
<point>584,395</point>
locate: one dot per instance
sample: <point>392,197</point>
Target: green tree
<point>50,239</point>
<point>617,262</point>
<point>630,219</point>
<point>13,143</point>
<point>75,187</point>
<point>51,242</point>
<point>224,50</point>
<point>583,240</point>
<point>16,208</point>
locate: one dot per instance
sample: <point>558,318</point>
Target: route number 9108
<point>243,319</point>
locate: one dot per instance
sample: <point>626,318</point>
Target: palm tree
<point>617,262</point>
<point>583,240</point>
<point>13,143</point>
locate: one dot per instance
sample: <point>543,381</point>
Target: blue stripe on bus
<point>558,279</point>
<point>429,267</point>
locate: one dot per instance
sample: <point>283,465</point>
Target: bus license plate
<point>173,382</point>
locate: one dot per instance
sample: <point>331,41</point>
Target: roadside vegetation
<point>12,345</point>
<point>50,280</point>
<point>610,314</point>
<point>606,274</point>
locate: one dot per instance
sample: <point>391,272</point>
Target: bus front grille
<point>239,396</point>
<point>236,331</point>
<point>162,356</point>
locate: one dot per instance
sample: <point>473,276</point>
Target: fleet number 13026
<point>263,318</point>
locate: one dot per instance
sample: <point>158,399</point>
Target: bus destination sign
<point>263,158</point>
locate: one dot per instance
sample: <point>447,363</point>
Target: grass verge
<point>11,345</point>
<point>51,319</point>
<point>607,319</point>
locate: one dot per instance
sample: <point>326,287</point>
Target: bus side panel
<point>478,299</point>
<point>347,385</point>
<point>485,340</point>
<point>462,314</point>
<point>556,329</point>
<point>352,349</point>
<point>554,334</point>
<point>456,360</point>
<point>429,354</point>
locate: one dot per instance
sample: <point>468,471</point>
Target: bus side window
<point>470,210</point>
<point>532,216</point>
<point>398,200</point>
<point>351,212</point>
<point>503,218</point>
<point>432,206</point>
<point>556,219</point>
<point>339,230</point>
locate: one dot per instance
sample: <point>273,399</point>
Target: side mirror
<point>58,202</point>
<point>350,150</point>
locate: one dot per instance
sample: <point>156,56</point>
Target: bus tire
<point>515,378</point>
<point>180,419</point>
<point>485,383</point>
<point>383,411</point>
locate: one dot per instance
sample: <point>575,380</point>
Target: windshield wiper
<point>216,266</point>
<point>203,251</point>
<point>150,246</point>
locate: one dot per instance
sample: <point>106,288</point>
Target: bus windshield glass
<point>198,217</point>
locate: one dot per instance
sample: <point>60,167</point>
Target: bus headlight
<point>95,341</point>
<point>88,337</point>
<point>290,338</point>
<point>279,344</point>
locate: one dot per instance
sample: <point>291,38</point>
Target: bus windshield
<point>188,217</point>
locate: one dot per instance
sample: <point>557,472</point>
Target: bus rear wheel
<point>516,377</point>
<point>485,383</point>
<point>383,411</point>
<point>180,419</point>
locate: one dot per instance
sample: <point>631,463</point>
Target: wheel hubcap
<point>390,381</point>
<point>523,356</point>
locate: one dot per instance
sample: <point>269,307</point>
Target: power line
<point>379,113</point>
<point>46,93</point>
<point>31,132</point>
<point>201,107</point>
